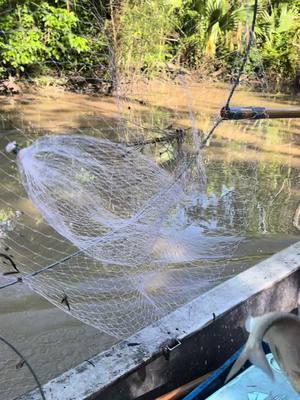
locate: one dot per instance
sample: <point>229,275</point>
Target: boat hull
<point>186,344</point>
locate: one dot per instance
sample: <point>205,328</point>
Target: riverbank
<point>171,74</point>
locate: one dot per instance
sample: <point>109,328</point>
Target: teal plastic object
<point>253,384</point>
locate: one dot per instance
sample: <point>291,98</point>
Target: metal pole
<point>237,113</point>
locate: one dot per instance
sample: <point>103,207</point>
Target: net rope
<point>22,361</point>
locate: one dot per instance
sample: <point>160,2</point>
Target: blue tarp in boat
<point>253,384</point>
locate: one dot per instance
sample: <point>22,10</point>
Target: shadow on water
<point>252,192</point>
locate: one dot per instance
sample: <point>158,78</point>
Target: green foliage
<point>278,35</point>
<point>210,34</point>
<point>58,26</point>
<point>23,46</point>
<point>210,27</point>
<point>36,33</point>
<point>145,35</point>
<point>145,32</point>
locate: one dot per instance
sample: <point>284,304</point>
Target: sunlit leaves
<point>35,32</point>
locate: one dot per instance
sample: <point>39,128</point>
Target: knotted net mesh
<point>119,265</point>
<point>123,222</point>
<point>115,206</point>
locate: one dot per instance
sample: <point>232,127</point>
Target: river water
<point>253,191</point>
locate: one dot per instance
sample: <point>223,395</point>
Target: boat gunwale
<point>118,365</point>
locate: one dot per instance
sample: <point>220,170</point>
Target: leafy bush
<point>208,35</point>
<point>211,30</point>
<point>145,33</point>
<point>40,33</point>
<point>23,45</point>
<point>278,36</point>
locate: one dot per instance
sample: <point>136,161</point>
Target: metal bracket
<point>174,346</point>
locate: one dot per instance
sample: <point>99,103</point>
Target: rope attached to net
<point>240,73</point>
<point>27,365</point>
<point>246,55</point>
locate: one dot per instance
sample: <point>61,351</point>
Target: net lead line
<point>24,361</point>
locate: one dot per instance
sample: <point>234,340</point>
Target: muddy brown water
<point>253,190</point>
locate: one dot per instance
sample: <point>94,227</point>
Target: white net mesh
<point>194,235</point>
<point>123,219</point>
<point>106,199</point>
<point>115,205</point>
<point>135,224</point>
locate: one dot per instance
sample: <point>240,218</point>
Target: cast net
<point>113,210</point>
<point>116,206</point>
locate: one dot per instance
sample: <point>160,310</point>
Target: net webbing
<point>122,227</point>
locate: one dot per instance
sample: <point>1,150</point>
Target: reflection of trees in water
<point>244,197</point>
<point>250,197</point>
<point>240,196</point>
